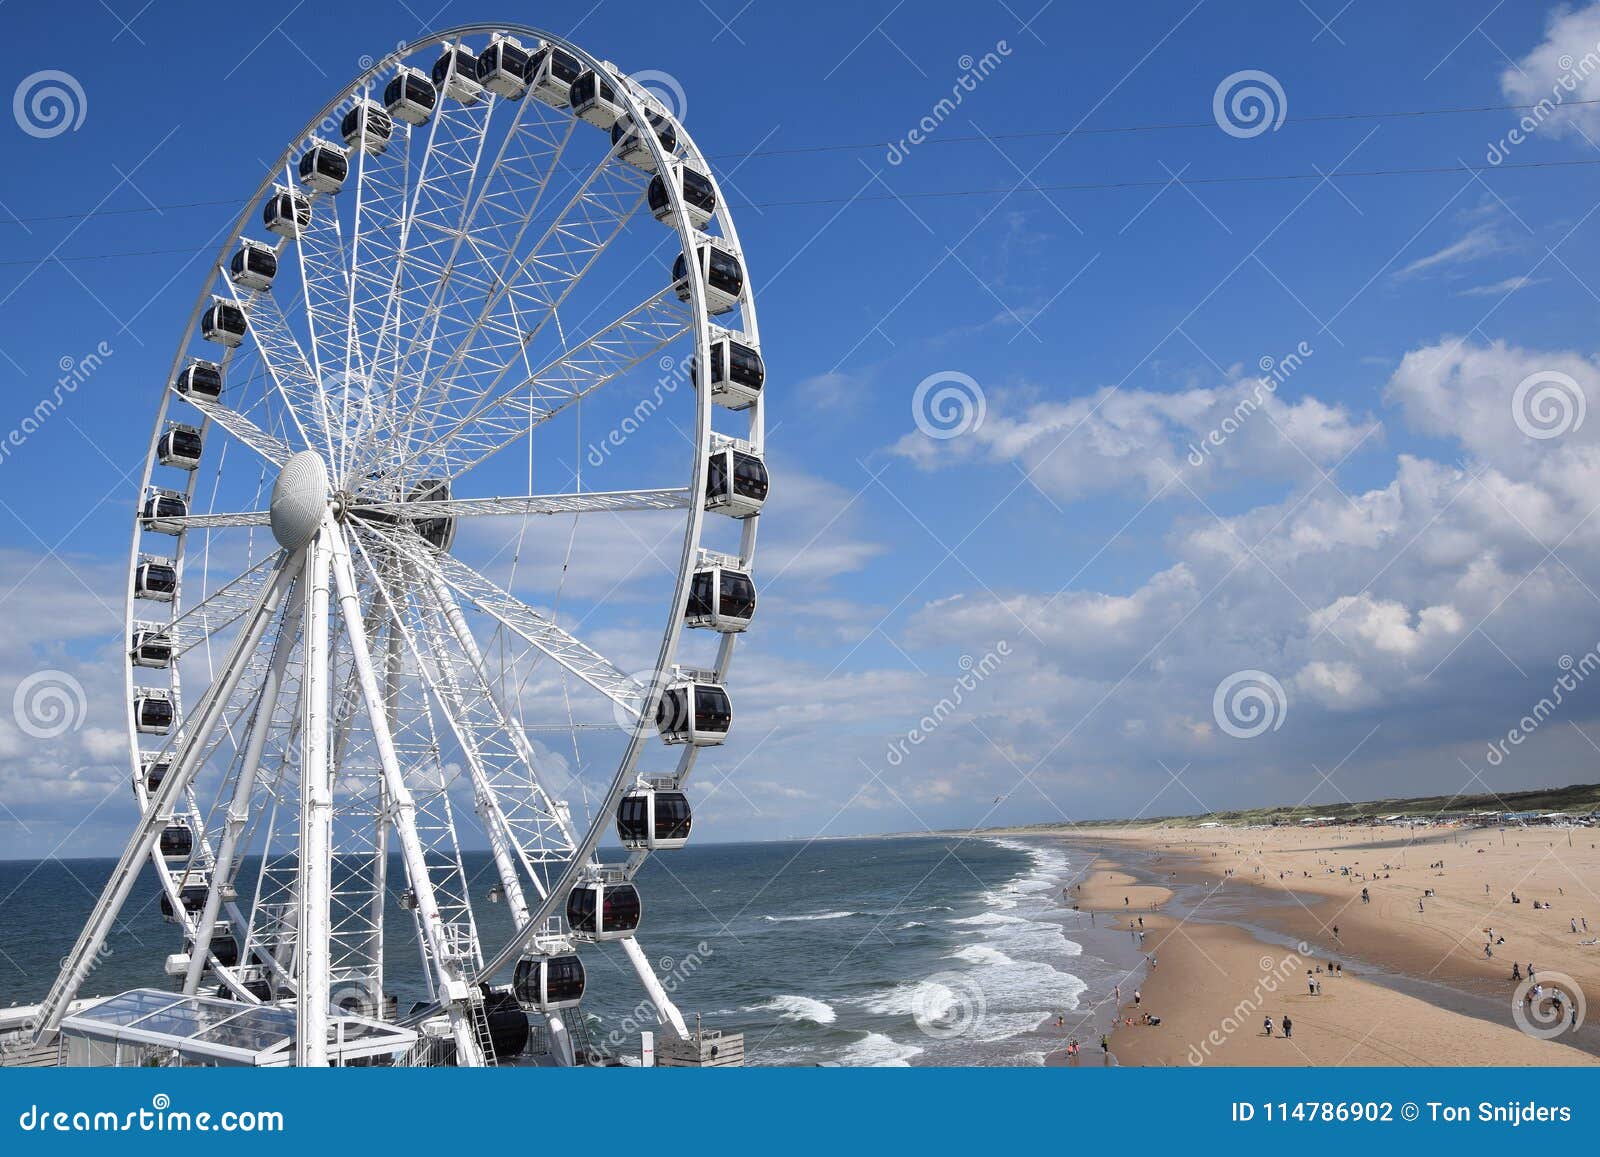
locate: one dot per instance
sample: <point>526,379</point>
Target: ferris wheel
<point>356,628</point>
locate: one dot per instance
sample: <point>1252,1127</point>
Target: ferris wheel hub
<point>299,500</point>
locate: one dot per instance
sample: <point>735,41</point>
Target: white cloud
<point>1158,443</point>
<point>1481,240</point>
<point>1562,69</point>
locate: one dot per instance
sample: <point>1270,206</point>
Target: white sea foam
<point>798,1008</point>
<point>988,918</point>
<point>878,1049</point>
<point>810,916</point>
<point>912,924</point>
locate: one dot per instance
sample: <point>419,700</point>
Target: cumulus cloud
<point>1157,442</point>
<point>1563,68</point>
<point>1420,611</point>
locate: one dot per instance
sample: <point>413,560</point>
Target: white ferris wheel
<point>473,249</point>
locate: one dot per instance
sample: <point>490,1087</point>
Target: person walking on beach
<point>1288,1027</point>
<point>1138,997</point>
<point>1105,1044</point>
<point>1266,1024</point>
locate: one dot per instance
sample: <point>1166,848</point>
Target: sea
<point>876,951</point>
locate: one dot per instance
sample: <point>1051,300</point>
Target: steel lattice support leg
<point>316,818</point>
<point>78,962</point>
<point>239,806</point>
<point>453,991</point>
<point>665,1009</point>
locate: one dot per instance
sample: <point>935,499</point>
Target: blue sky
<point>1381,536</point>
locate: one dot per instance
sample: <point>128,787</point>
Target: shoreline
<point>1390,990</point>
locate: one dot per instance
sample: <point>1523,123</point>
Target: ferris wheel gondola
<point>462,272</point>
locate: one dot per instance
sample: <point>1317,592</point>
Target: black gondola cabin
<point>253,265</point>
<point>737,373</point>
<point>155,579</point>
<point>736,483</point>
<point>503,68</point>
<point>602,911</point>
<point>180,446</point>
<point>549,983</point>
<point>367,127</point>
<point>410,97</point>
<point>286,212</point>
<point>163,511</point>
<point>551,73</point>
<point>152,712</point>
<point>151,646</point>
<point>694,712</point>
<point>721,271</point>
<point>653,819</point>
<point>324,167</point>
<point>721,598</point>
<point>200,379</point>
<point>593,98</point>
<point>224,323</point>
<point>455,74</point>
<point>699,198</point>
<point>634,148</point>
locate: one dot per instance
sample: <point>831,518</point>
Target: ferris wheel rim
<point>688,235</point>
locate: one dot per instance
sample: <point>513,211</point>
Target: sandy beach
<point>1235,918</point>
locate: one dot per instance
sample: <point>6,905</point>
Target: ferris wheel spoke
<point>517,817</point>
<point>522,176</point>
<point>269,446</point>
<point>292,375</point>
<point>522,301</point>
<point>222,607</point>
<point>501,419</point>
<point>428,235</point>
<point>580,502</point>
<point>529,625</point>
<point>326,292</point>
<point>220,521</point>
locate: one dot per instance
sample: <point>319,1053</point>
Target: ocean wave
<point>912,924</point>
<point>811,916</point>
<point>798,1008</point>
<point>989,918</point>
<point>878,1049</point>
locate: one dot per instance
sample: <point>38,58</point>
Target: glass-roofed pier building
<point>148,1026</point>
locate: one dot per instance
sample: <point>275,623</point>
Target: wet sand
<point>1232,941</point>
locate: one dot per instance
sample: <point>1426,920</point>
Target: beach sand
<point>1416,988</point>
